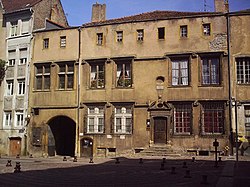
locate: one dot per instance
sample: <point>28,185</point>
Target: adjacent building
<point>19,19</point>
<point>158,79</point>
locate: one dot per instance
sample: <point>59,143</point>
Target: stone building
<point>157,79</point>
<point>19,19</point>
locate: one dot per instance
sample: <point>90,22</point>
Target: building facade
<point>20,19</point>
<point>124,85</point>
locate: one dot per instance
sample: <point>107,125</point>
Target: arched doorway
<point>63,133</point>
<point>86,147</point>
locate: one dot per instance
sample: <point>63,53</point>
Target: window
<point>182,118</point>
<point>23,56</point>
<point>123,74</point>
<point>42,75</point>
<point>11,57</point>
<point>243,70</point>
<point>123,120</point>
<point>247,121</point>
<point>119,36</point>
<point>63,41</point>
<point>66,76</point>
<point>210,70</point>
<point>95,121</point>
<point>46,43</point>
<point>206,29</point>
<point>25,26</point>
<point>97,76</point>
<point>19,119</point>
<point>99,38</point>
<point>140,35</point>
<point>180,71</point>
<point>10,87</point>
<point>184,31</point>
<point>161,33</point>
<point>212,118</point>
<point>13,28</point>
<point>21,87</point>
<point>7,119</point>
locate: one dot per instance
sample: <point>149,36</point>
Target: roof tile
<point>15,5</point>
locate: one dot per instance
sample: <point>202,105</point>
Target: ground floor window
<point>95,119</point>
<point>212,118</point>
<point>247,121</point>
<point>123,120</point>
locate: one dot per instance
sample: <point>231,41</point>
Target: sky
<point>79,11</point>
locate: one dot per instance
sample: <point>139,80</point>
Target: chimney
<point>221,6</point>
<point>98,12</point>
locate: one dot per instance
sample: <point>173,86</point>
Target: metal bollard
<point>75,159</point>
<point>163,160</point>
<point>220,159</point>
<point>17,168</point>
<point>162,166</point>
<point>91,160</point>
<point>140,161</point>
<point>8,163</point>
<point>193,159</point>
<point>204,179</point>
<point>184,165</point>
<point>187,175</point>
<point>64,158</point>
<point>173,170</point>
<point>17,156</point>
<point>117,161</point>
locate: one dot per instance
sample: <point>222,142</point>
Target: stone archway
<point>61,135</point>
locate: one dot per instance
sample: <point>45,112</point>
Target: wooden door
<point>87,148</point>
<point>15,146</point>
<point>160,130</point>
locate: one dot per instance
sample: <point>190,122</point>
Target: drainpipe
<point>78,92</point>
<point>231,140</point>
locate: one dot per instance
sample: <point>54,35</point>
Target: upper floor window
<point>46,43</point>
<point>243,70</point>
<point>23,56</point>
<point>210,70</point>
<point>123,120</point>
<point>99,38</point>
<point>66,76</point>
<point>212,118</point>
<point>140,35</point>
<point>119,36</point>
<point>21,87</point>
<point>19,122</point>
<point>206,29</point>
<point>97,75</point>
<point>13,28</point>
<point>180,72</point>
<point>11,58</point>
<point>182,118</point>
<point>161,33</point>
<point>63,41</point>
<point>123,74</point>
<point>10,87</point>
<point>183,31</point>
<point>95,119</point>
<point>7,119</point>
<point>42,77</point>
<point>25,26</point>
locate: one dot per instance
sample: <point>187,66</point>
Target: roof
<point>16,5</point>
<point>150,16</point>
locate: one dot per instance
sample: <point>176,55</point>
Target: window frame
<point>140,35</point>
<point>7,120</point>
<point>13,29</point>
<point>206,29</point>
<point>180,78</point>
<point>43,75</point>
<point>123,116</point>
<point>161,33</point>
<point>66,74</point>
<point>63,41</point>
<point>124,79</point>
<point>119,36</point>
<point>11,57</point>
<point>183,31</point>
<point>95,80</point>
<point>243,74</point>
<point>21,87</point>
<point>99,38</point>
<point>96,116</point>
<point>25,22</point>
<point>10,87</point>
<point>23,60</point>
<point>19,123</point>
<point>45,43</point>
<point>247,121</point>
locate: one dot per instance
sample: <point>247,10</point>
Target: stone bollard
<point>30,156</point>
<point>193,159</point>
<point>17,156</point>
<point>162,166</point>
<point>17,168</point>
<point>163,160</point>
<point>140,161</point>
<point>75,159</point>
<point>220,159</point>
<point>117,161</point>
<point>187,175</point>
<point>8,163</point>
<point>173,170</point>
<point>184,165</point>
<point>204,179</point>
<point>64,158</point>
<point>91,160</point>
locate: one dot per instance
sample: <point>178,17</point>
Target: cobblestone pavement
<point>129,172</point>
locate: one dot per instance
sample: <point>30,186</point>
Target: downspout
<point>231,140</point>
<point>78,92</point>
